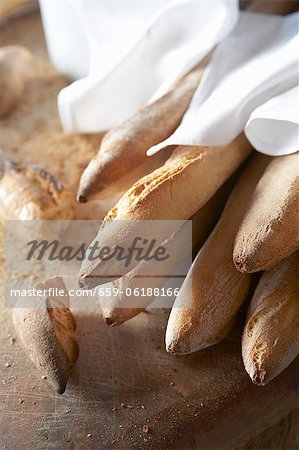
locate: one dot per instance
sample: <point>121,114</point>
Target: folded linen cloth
<point>126,72</point>
<point>136,50</point>
<point>256,62</point>
<point>273,128</point>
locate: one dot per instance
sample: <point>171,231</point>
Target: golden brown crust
<point>270,339</point>
<point>118,309</point>
<point>174,191</point>
<point>213,291</point>
<point>16,67</point>
<point>48,334</point>
<point>28,192</point>
<point>269,231</point>
<point>122,156</point>
<point>179,188</point>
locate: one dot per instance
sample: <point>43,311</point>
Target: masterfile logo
<point>150,260</point>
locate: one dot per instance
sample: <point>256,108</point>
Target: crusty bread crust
<point>186,182</point>
<point>271,335</point>
<point>269,231</point>
<point>48,335</point>
<point>28,192</point>
<point>175,191</point>
<point>122,158</point>
<point>213,291</point>
<point>122,307</point>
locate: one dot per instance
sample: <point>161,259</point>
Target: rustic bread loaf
<point>48,334</point>
<point>214,290</point>
<point>122,158</point>
<point>28,192</point>
<point>269,230</point>
<point>175,191</point>
<point>271,335</point>
<point>117,309</point>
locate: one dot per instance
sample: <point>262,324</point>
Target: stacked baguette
<point>118,309</point>
<point>261,219</point>
<point>175,191</point>
<point>257,231</point>
<point>269,231</point>
<point>122,156</point>
<point>214,290</point>
<point>271,335</point>
<point>258,227</point>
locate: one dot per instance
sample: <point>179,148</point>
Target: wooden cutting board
<point>125,392</point>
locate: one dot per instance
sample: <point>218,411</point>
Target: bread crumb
<point>145,428</point>
<point>126,406</point>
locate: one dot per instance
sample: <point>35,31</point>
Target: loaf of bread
<point>122,158</point>
<point>16,68</point>
<point>28,192</point>
<point>269,230</point>
<point>271,335</point>
<point>175,191</point>
<point>47,334</point>
<point>117,309</point>
<point>214,290</point>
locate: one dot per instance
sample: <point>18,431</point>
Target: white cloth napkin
<point>257,61</point>
<point>273,128</point>
<point>136,50</point>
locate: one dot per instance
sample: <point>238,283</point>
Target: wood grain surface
<point>126,392</point>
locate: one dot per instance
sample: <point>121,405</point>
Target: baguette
<point>269,231</point>
<point>270,339</point>
<point>48,334</point>
<point>175,191</point>
<point>118,309</point>
<point>122,158</point>
<point>16,68</point>
<point>28,192</point>
<point>213,290</point>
